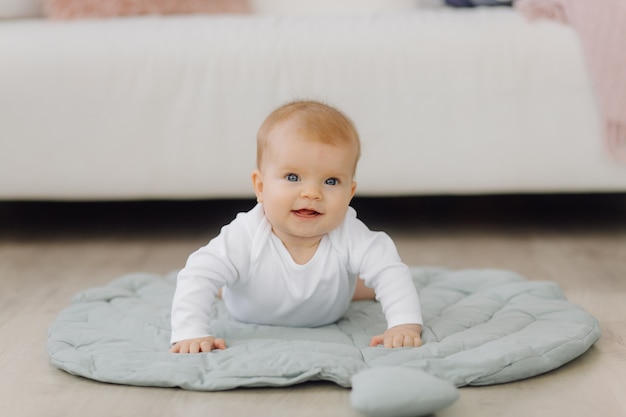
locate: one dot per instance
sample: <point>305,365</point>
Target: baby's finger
<point>417,341</point>
<point>219,344</point>
<point>388,342</point>
<point>398,341</point>
<point>206,346</point>
<point>194,347</point>
<point>377,340</point>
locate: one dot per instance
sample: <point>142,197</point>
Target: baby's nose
<point>311,191</point>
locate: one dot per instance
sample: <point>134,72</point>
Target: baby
<point>300,256</point>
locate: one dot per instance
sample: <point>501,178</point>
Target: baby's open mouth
<point>306,213</point>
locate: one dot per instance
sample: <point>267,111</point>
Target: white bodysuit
<point>262,283</point>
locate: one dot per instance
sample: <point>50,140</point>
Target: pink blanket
<point>601,25</point>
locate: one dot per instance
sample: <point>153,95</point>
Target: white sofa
<point>447,101</point>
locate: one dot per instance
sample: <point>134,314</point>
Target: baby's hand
<point>202,344</point>
<point>404,335</point>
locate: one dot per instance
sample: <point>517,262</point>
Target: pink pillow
<point>76,9</point>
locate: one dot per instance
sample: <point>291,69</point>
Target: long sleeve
<point>391,279</point>
<point>210,268</point>
<point>374,257</point>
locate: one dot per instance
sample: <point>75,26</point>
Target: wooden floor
<point>49,252</point>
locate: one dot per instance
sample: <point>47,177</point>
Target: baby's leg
<point>361,292</point>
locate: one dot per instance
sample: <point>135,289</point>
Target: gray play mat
<point>481,327</point>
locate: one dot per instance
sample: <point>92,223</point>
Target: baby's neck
<point>302,250</point>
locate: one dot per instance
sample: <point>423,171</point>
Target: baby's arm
<point>403,335</point>
<point>202,344</point>
<point>382,270</point>
<point>206,271</point>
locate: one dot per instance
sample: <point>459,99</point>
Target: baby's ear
<point>257,183</point>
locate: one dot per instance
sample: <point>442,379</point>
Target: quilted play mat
<point>480,327</point>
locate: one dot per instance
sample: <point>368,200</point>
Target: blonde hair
<point>318,122</point>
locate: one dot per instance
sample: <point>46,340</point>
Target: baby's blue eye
<point>292,177</point>
<point>332,181</point>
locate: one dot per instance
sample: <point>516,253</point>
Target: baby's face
<point>305,186</point>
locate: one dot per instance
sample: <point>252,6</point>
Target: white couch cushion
<point>445,101</point>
